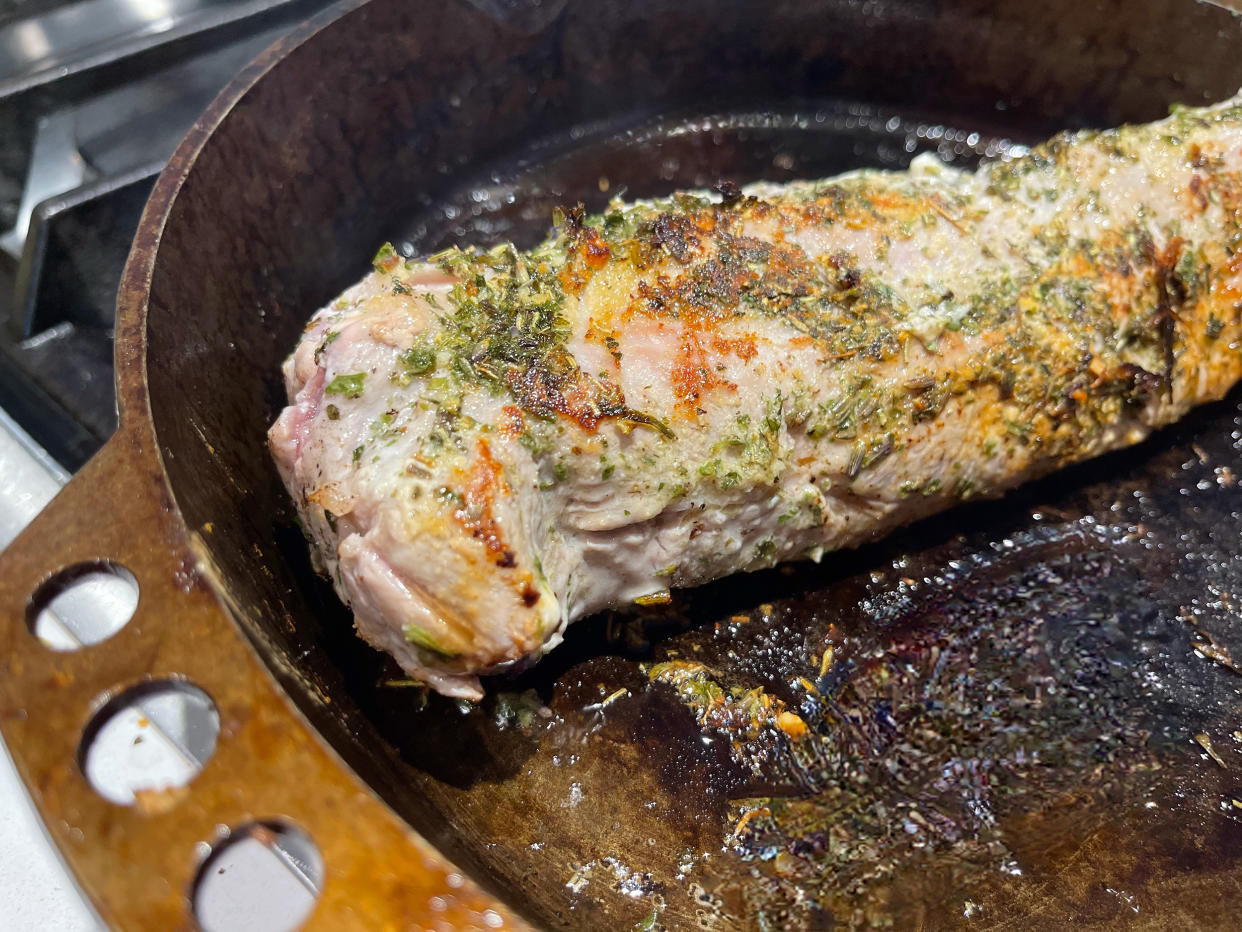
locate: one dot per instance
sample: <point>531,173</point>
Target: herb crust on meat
<point>489,444</point>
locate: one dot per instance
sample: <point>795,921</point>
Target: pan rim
<point>134,292</point>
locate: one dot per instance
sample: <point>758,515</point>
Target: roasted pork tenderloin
<point>489,444</point>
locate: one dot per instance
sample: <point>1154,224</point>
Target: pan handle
<point>139,863</point>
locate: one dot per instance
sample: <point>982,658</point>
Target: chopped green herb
<point>330,338</point>
<point>350,386</point>
<point>421,637</point>
<point>385,258</point>
<point>418,359</point>
<point>661,597</point>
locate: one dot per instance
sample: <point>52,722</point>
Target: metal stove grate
<point>94,97</point>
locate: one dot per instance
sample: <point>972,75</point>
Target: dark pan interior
<point>1022,694</point>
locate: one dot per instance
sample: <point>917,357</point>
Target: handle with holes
<point>139,862</point>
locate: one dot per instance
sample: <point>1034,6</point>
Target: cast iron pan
<point>1020,696</point>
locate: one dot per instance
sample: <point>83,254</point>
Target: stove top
<point>94,97</point>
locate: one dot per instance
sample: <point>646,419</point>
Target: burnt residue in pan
<point>1019,710</point>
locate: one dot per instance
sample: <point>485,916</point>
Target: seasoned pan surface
<point>1028,709</point>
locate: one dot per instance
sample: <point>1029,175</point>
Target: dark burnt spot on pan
<point>953,717</point>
